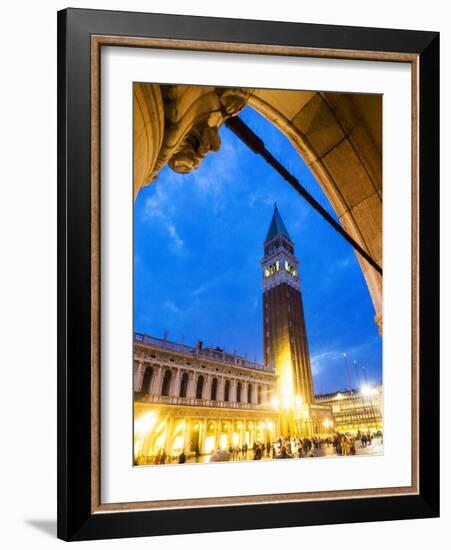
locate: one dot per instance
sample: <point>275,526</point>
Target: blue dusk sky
<point>198,242</point>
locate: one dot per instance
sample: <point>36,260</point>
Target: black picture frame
<point>76,521</point>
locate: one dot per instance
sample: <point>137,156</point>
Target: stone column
<point>191,390</point>
<point>220,390</point>
<point>254,393</point>
<point>187,435</point>
<point>207,387</point>
<point>138,374</point>
<point>203,435</point>
<point>217,433</point>
<point>157,380</point>
<point>232,393</point>
<point>174,390</point>
<point>169,435</point>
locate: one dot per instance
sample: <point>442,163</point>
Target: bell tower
<point>284,331</point>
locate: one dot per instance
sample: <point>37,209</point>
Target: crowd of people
<point>282,447</point>
<point>289,447</point>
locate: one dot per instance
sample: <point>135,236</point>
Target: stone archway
<point>339,136</point>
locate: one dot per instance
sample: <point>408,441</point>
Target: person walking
<point>182,458</point>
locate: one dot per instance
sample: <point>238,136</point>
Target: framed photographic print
<point>248,274</point>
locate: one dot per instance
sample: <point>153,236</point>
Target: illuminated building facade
<point>198,399</point>
<point>355,411</point>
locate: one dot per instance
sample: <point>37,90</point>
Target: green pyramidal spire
<point>277,226</point>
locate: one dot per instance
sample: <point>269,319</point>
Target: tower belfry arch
<point>338,135</point>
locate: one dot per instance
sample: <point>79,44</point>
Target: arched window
<point>184,385</point>
<point>226,390</point>
<point>238,392</point>
<point>166,383</point>
<point>249,393</point>
<point>214,389</point>
<point>199,387</point>
<point>147,380</point>
<point>259,395</point>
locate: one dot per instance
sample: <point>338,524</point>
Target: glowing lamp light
<point>327,423</point>
<point>144,424</point>
<point>286,401</point>
<point>367,390</point>
<point>298,401</point>
<point>275,403</point>
<point>209,444</point>
<point>159,443</point>
<point>178,443</point>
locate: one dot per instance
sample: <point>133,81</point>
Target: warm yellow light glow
<point>235,438</point>
<point>261,425</point>
<point>178,443</point>
<point>285,386</point>
<point>327,423</point>
<point>209,444</point>
<point>138,447</point>
<point>180,426</point>
<point>298,401</point>
<point>159,443</point>
<point>275,403</point>
<point>367,390</point>
<point>223,441</point>
<point>270,425</point>
<point>145,423</point>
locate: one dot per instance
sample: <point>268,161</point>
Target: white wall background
<point>28,274</point>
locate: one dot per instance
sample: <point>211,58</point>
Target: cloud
<point>319,361</point>
<point>173,308</point>
<point>343,263</point>
<point>159,206</point>
<point>177,241</point>
<point>216,174</point>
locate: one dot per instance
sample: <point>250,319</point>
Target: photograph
<point>257,276</point>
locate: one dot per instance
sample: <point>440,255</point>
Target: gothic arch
<point>339,136</point>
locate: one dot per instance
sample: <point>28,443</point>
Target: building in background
<point>356,411</point>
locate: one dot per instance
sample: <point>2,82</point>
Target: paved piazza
<point>326,450</point>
